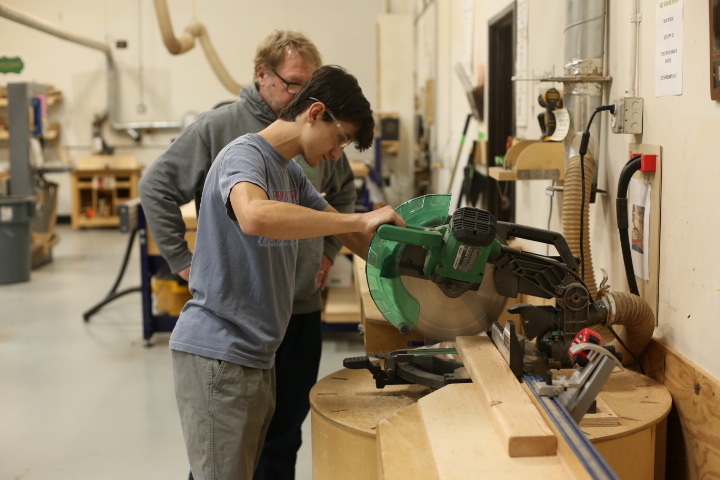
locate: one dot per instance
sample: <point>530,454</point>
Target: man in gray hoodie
<point>284,61</point>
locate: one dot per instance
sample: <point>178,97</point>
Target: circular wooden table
<point>346,408</point>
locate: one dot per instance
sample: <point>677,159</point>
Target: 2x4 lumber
<point>465,443</point>
<point>518,422</point>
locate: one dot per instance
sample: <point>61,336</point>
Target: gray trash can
<point>16,214</point>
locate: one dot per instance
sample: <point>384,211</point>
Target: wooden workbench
<point>399,432</point>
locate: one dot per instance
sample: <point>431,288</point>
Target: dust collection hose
<point>637,320</point>
<point>186,41</point>
<point>572,211</point>
<point>625,309</point>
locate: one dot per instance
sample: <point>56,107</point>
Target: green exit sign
<point>11,65</point>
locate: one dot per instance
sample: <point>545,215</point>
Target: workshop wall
<point>685,126</point>
<point>168,87</point>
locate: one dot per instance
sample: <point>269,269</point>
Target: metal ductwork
<point>131,128</point>
<point>583,70</point>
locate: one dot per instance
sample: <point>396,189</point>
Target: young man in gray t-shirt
<point>256,205</point>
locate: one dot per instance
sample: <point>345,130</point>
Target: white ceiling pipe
<point>131,128</point>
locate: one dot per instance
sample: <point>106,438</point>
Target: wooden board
<point>342,305</point>
<point>466,445</point>
<point>404,449</point>
<point>694,424</point>
<point>109,162</point>
<point>502,174</point>
<point>521,427</point>
<point>604,416</point>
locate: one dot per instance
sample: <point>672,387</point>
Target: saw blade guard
<point>411,303</point>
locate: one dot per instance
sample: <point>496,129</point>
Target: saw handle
<point>412,234</point>
<point>360,363</point>
<point>539,235</point>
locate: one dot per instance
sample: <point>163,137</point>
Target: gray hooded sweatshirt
<point>178,176</point>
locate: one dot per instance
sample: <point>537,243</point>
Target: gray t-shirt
<point>242,285</point>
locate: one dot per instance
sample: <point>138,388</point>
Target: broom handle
<point>457,157</point>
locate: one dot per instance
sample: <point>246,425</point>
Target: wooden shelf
<point>342,305</point>
<point>83,221</point>
<point>532,160</point>
<point>88,192</point>
<point>52,98</point>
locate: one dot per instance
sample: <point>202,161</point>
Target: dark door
<point>499,197</point>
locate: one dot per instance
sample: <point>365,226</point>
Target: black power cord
<point>623,224</point>
<point>583,150</point>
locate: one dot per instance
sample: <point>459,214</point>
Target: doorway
<point>499,197</point>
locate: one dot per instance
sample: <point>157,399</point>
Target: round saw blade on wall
<point>443,318</point>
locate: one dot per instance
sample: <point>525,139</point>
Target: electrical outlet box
<point>628,117</point>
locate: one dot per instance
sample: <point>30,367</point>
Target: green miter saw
<point>449,275</point>
<point>451,252</point>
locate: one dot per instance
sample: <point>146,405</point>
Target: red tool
<point>585,335</point>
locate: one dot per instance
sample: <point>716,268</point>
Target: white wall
<point>686,126</point>
<point>344,32</point>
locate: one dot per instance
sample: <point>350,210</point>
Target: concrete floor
<point>88,400</point>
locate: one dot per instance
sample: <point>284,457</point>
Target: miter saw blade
<point>443,318</point>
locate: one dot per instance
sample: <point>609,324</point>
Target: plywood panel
<point>694,429</point>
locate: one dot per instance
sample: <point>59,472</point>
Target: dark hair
<point>342,95</point>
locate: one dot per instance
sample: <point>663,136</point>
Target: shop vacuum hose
<point>625,309</point>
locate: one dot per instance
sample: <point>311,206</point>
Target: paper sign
<point>668,47</point>
<point>562,125</point>
<point>640,195</point>
<point>6,214</point>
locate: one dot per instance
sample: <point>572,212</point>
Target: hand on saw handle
<point>359,242</point>
<point>382,216</point>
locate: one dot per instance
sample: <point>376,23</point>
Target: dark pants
<point>296,368</point>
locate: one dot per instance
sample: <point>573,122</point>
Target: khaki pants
<point>225,410</point>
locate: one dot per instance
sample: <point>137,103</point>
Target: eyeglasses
<point>291,87</point>
<point>345,138</point>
